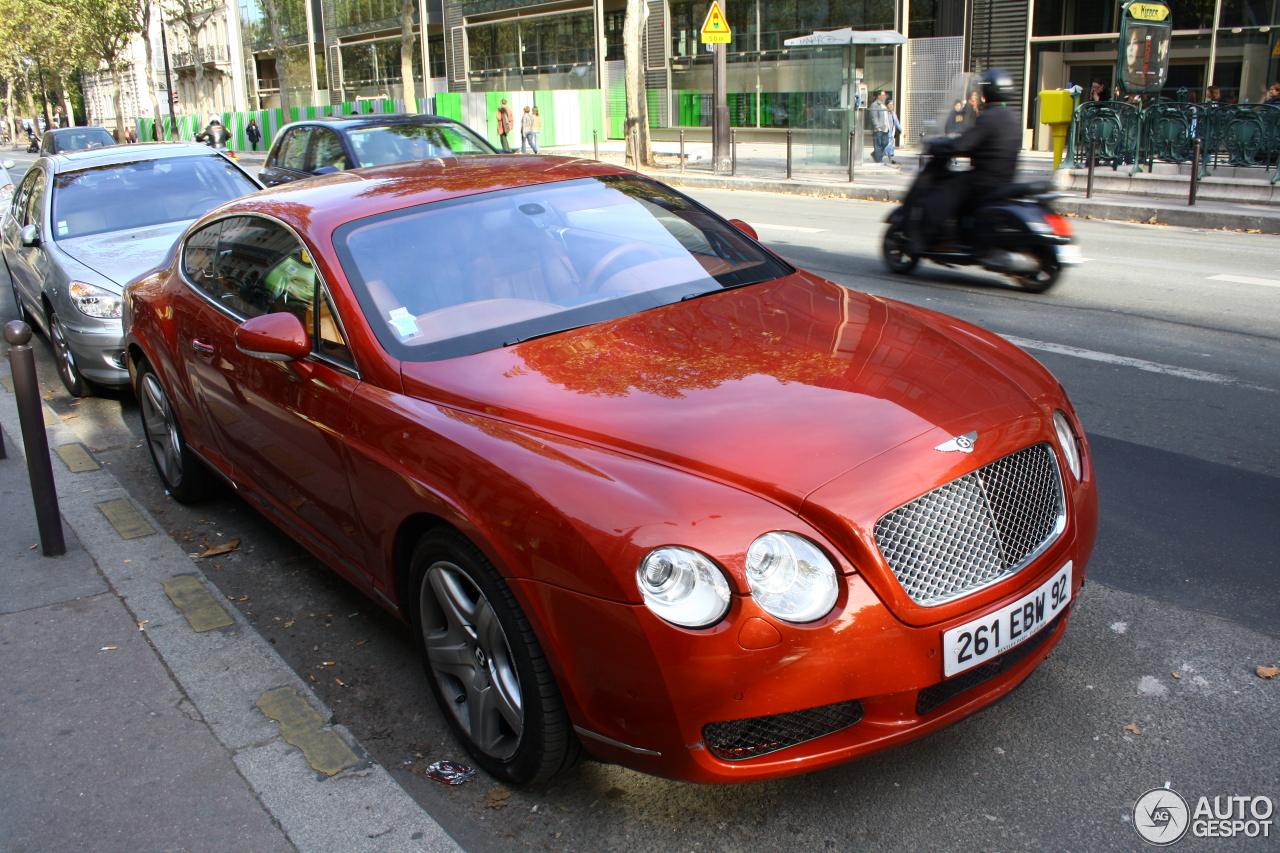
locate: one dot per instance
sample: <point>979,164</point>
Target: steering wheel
<point>201,206</point>
<point>589,282</point>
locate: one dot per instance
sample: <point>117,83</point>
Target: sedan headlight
<point>1067,441</point>
<point>95,301</point>
<point>683,587</point>
<point>790,577</point>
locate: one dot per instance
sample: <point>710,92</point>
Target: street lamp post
<point>168,82</point>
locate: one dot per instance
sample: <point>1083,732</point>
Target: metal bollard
<point>733,152</point>
<point>682,151</point>
<point>26,389</point>
<point>595,143</point>
<point>788,154</point>
<point>1088,187</point>
<point>851,156</point>
<point>1195,170</point>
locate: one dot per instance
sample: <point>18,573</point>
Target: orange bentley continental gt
<point>639,486</point>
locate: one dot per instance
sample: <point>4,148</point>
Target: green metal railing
<point>1241,135</point>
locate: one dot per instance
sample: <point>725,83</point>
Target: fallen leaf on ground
<point>362,642</point>
<point>1175,675</point>
<point>68,417</point>
<point>1268,671</point>
<point>215,550</point>
<point>499,793</point>
<point>33,547</point>
<point>289,624</point>
<point>1132,728</point>
<point>246,598</point>
<point>143,622</point>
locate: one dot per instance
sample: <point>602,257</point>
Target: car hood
<point>777,388</point>
<point>122,256</point>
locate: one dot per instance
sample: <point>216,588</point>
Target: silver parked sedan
<point>82,225</point>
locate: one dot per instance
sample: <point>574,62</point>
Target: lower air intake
<point>736,740</point>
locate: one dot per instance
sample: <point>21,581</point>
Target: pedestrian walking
<point>881,127</point>
<point>128,136</point>
<point>526,128</point>
<point>253,133</point>
<point>506,121</point>
<point>537,129</point>
<point>894,133</point>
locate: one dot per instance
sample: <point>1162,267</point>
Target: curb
<point>1264,222</point>
<point>353,806</point>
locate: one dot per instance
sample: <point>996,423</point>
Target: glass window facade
<point>544,52</point>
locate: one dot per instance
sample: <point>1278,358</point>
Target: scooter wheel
<point>1044,278</point>
<point>896,256</point>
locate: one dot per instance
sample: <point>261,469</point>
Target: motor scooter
<point>1012,231</point>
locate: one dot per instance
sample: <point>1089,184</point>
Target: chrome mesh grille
<point>735,740</point>
<point>978,528</point>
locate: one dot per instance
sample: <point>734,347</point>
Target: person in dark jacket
<point>991,143</point>
<point>1273,94</point>
<point>214,135</point>
<point>253,133</point>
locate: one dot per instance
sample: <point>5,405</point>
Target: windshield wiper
<point>720,289</point>
<point>546,334</point>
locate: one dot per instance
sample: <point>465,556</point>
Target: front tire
<point>485,666</point>
<point>182,474</point>
<point>894,248</point>
<point>72,379</point>
<point>1044,278</point>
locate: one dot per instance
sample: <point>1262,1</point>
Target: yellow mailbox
<point>1056,108</point>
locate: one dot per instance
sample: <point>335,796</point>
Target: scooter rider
<point>991,144</point>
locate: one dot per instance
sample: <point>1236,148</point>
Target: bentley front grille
<point>976,529</point>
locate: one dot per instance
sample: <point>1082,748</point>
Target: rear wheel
<point>1044,278</point>
<point>485,665</point>
<point>896,257</point>
<point>185,476</point>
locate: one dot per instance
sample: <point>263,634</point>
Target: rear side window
<point>327,151</point>
<point>260,268</point>
<point>198,256</point>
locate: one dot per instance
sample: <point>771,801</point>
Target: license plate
<point>1068,254</point>
<point>982,639</point>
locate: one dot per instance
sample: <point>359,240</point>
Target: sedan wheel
<point>72,378</point>
<point>484,663</point>
<point>182,473</point>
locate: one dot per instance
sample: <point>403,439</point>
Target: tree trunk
<point>278,48</point>
<point>9,108</point>
<point>31,102</point>
<point>406,53</point>
<point>151,69</point>
<point>637,125</point>
<point>116,103</point>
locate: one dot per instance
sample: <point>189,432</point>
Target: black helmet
<point>997,86</point>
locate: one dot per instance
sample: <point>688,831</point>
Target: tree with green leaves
<point>104,28</point>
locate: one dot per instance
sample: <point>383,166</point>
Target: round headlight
<point>1067,441</point>
<point>790,577</point>
<point>683,587</point>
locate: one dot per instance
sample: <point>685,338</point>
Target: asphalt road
<point>1176,376</point>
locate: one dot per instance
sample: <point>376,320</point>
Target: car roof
<point>74,160</point>
<point>376,119</point>
<point>58,130</point>
<point>318,205</point>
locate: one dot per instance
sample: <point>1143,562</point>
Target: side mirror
<point>8,164</point>
<point>274,337</point>
<point>30,236</point>
<point>745,229</point>
<point>326,170</point>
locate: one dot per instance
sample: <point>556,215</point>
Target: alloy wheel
<point>471,659</point>
<point>162,432</point>
<point>70,375</point>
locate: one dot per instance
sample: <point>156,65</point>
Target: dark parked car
<point>60,140</point>
<point>326,145</point>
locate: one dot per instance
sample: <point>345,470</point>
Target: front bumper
<point>98,349</point>
<point>642,692</point>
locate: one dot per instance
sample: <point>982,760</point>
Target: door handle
<point>202,348</point>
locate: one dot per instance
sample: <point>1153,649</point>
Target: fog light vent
<point>735,740</point>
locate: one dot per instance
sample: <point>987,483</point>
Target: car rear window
<point>80,140</point>
<point>466,275</point>
<point>142,194</point>
<point>402,142</point>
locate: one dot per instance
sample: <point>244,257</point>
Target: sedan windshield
<point>471,274</point>
<point>80,140</point>
<point>130,196</point>
<point>399,143</point>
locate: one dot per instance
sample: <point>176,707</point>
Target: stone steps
<point>1170,181</point>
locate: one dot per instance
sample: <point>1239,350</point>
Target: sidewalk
<point>762,168</point>
<point>139,713</point>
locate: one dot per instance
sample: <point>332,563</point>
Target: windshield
<point>398,143</point>
<point>462,276</point>
<point>79,140</point>
<point>130,196</point>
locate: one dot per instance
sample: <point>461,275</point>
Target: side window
<point>293,152</point>
<point>198,255</point>
<point>326,150</point>
<point>330,342</point>
<point>35,205</point>
<point>261,268</point>
<point>22,195</point>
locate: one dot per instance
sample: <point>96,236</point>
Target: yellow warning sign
<point>715,29</point>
